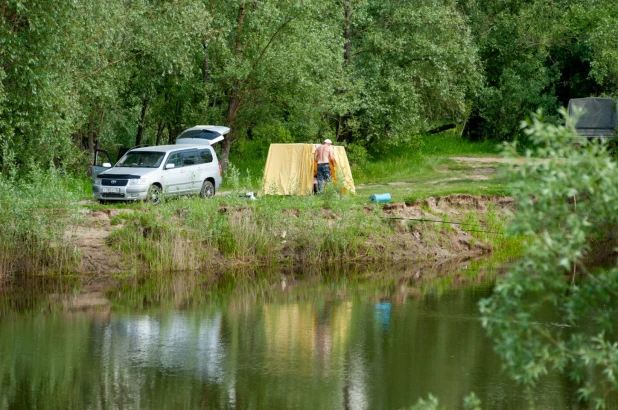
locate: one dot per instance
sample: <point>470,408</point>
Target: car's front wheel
<point>208,189</point>
<point>154,195</point>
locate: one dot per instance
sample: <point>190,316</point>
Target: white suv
<point>189,167</point>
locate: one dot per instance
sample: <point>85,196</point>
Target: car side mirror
<point>169,166</point>
<point>107,165</point>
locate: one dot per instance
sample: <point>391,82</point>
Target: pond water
<point>274,342</point>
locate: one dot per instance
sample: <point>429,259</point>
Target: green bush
<point>261,137</point>
<point>556,309</point>
<point>358,156</point>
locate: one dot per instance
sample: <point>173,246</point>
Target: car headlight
<point>140,181</point>
<point>97,181</point>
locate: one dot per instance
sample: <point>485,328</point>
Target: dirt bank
<point>443,228</point>
<point>420,231</point>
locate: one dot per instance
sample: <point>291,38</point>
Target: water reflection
<point>315,343</point>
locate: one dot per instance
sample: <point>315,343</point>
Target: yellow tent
<point>290,169</point>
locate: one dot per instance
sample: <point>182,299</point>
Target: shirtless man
<point>323,156</point>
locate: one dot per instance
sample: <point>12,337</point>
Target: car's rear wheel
<point>154,195</point>
<point>208,190</point>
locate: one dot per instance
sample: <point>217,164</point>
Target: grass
<point>450,143</point>
<point>396,162</point>
<point>407,172</point>
<point>189,233</point>
<point>327,227</point>
<point>35,213</point>
<point>404,172</point>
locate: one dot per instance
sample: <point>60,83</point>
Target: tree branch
<point>241,94</point>
<point>98,70</point>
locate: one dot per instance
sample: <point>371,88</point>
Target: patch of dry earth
<point>90,239</point>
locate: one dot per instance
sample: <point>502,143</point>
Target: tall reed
<point>36,213</point>
<point>193,233</point>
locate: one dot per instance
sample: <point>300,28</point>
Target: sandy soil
<point>485,160</point>
<point>90,240</point>
<point>430,239</point>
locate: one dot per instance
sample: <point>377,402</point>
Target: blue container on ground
<point>380,198</point>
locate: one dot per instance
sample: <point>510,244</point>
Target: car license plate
<point>111,190</point>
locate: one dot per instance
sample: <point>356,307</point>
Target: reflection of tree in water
<point>354,377</point>
<point>308,350</point>
<point>143,356</point>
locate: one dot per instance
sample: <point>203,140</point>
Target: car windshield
<point>141,159</point>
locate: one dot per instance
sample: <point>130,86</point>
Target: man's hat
<point>327,141</point>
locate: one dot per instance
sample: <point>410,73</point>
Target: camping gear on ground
<point>380,197</point>
<point>598,116</point>
<point>290,170</point>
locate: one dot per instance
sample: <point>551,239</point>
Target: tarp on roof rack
<point>290,170</point>
<point>597,118</point>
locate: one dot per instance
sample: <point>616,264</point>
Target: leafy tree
<point>556,308</point>
<point>270,61</point>
<point>37,113</point>
<point>73,73</point>
<point>141,62</point>
<point>407,66</point>
<point>538,54</point>
<point>513,39</point>
<point>595,24</point>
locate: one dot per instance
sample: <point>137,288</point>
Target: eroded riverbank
<point>196,235</point>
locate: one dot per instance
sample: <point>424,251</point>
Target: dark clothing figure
<point>323,175</point>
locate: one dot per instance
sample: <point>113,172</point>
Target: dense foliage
<point>77,75</point>
<point>539,54</point>
<point>556,309</point>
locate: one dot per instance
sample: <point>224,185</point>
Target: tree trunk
<point>206,67</point>
<point>170,133</point>
<point>347,33</point>
<point>241,18</point>
<point>441,128</point>
<point>91,139</point>
<point>342,131</point>
<point>160,129</point>
<point>173,133</point>
<point>234,100</point>
<point>227,144</point>
<point>140,124</point>
<point>176,120</point>
<point>92,135</point>
<point>232,109</point>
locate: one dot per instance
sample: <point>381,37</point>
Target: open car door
<point>203,134</point>
<point>102,162</point>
